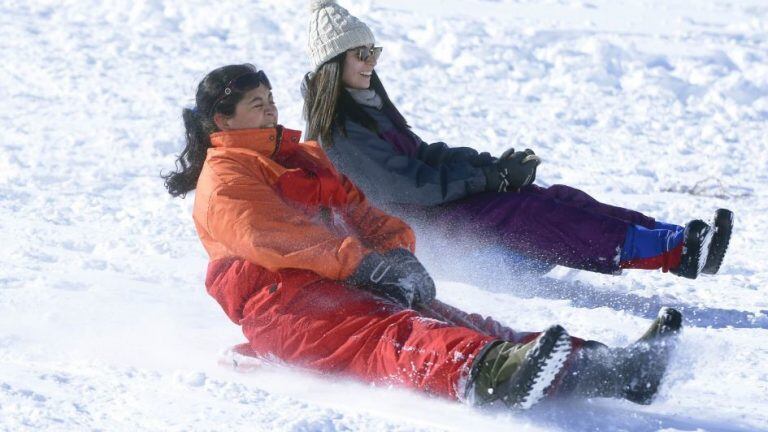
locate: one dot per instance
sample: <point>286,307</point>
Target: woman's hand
<point>397,275</point>
<point>512,171</point>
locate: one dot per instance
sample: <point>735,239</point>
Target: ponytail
<point>190,162</point>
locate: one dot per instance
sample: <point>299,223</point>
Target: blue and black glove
<point>397,275</point>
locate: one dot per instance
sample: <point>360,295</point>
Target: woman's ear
<point>222,121</point>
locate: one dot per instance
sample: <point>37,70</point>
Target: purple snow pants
<point>559,225</point>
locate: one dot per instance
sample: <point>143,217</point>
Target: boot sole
<point>722,227</point>
<point>542,364</point>
<point>698,236</point>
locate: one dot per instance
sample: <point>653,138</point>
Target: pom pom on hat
<point>333,30</point>
<point>315,5</point>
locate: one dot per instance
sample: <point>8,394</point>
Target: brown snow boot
<point>519,375</point>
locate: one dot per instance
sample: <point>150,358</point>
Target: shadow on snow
<point>486,267</point>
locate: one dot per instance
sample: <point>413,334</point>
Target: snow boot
<point>722,226</point>
<point>696,241</point>
<point>520,375</point>
<point>633,373</point>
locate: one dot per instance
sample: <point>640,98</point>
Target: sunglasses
<point>248,80</point>
<point>364,53</point>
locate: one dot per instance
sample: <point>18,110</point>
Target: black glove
<point>397,275</point>
<point>509,153</point>
<point>512,171</point>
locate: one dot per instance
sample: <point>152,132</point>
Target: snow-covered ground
<point>104,321</point>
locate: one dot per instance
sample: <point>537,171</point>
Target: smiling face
<point>256,110</point>
<point>357,73</point>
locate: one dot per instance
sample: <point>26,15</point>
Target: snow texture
<point>105,323</point>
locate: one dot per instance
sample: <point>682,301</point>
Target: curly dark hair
<point>210,99</point>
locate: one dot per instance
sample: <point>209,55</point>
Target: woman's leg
<point>653,248</point>
<point>565,226</point>
<point>485,325</point>
<point>577,198</point>
<point>332,328</point>
<point>649,244</point>
<point>544,228</point>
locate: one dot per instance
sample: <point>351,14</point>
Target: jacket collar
<point>265,141</point>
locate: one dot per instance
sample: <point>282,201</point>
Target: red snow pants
<point>329,327</point>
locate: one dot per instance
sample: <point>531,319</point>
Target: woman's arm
<point>389,176</point>
<point>253,222</point>
<point>439,153</point>
<point>378,230</point>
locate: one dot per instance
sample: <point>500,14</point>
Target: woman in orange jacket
<point>320,279</point>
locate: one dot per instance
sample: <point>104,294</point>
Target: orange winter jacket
<point>265,197</point>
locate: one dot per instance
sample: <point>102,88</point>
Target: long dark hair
<point>210,99</point>
<point>328,104</point>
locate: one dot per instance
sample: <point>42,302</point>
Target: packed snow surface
<point>104,320</point>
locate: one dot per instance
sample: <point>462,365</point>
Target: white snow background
<point>105,324</point>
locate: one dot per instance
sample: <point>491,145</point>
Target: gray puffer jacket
<point>394,167</point>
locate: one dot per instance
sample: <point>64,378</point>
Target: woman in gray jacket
<point>348,110</point>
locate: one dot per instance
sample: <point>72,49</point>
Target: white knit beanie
<point>333,30</point>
